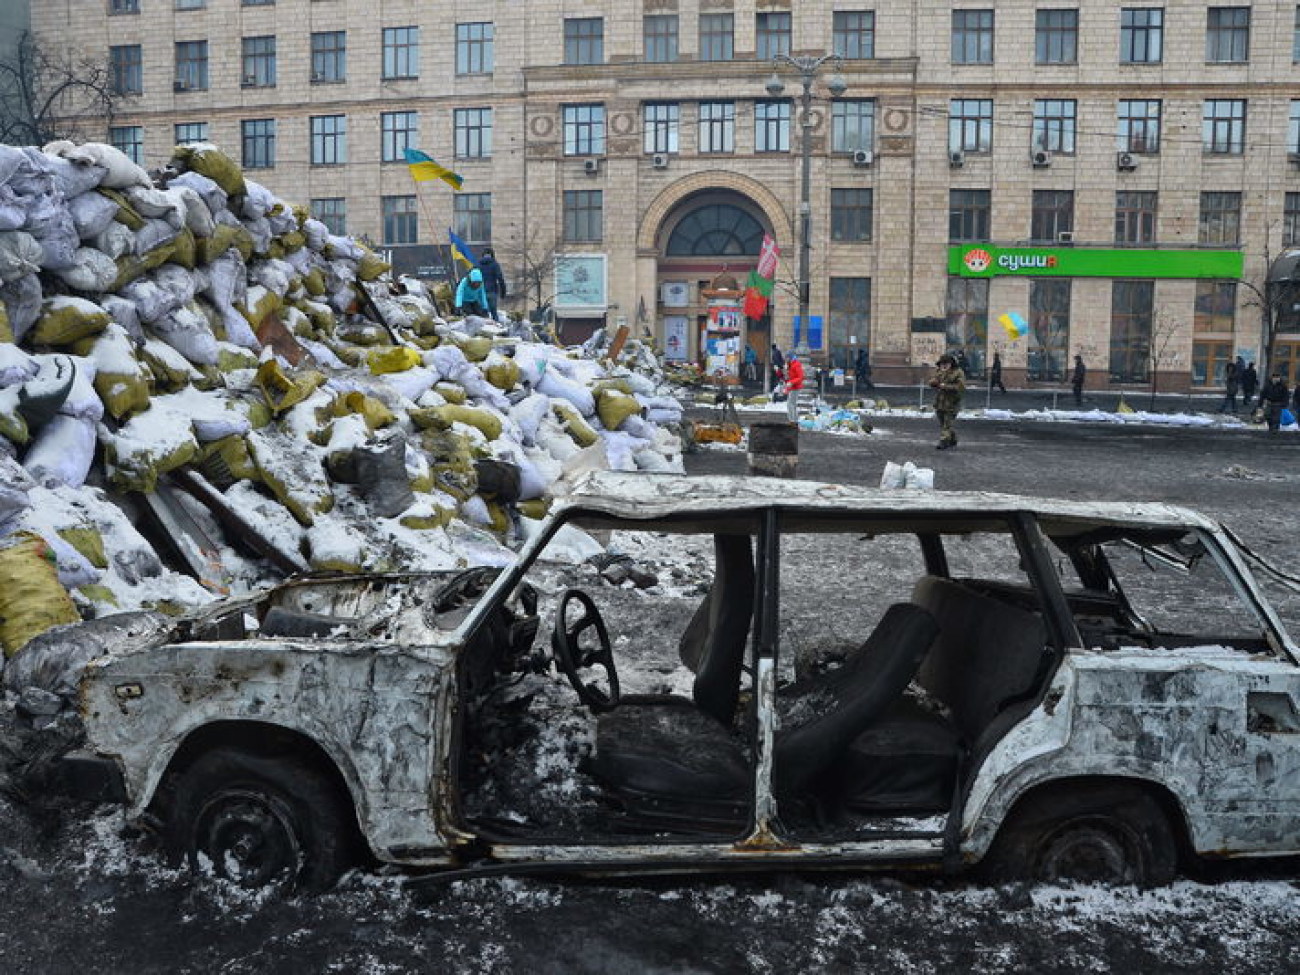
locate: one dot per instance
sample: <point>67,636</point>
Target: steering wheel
<point>571,657</point>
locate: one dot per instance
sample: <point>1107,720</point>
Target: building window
<point>713,229</point>
<point>1295,38</point>
<point>584,130</point>
<point>474,48</point>
<point>126,70</point>
<point>968,319</point>
<point>717,127</point>
<point>1216,307</point>
<point>1223,125</point>
<point>1056,36</point>
<point>583,215</point>
<point>401,220</point>
<point>772,126</point>
<point>1054,124</point>
<point>1220,218</point>
<point>1209,362</point>
<point>329,56</point>
<point>401,52</point>
<point>1227,35</point>
<point>660,32</point>
<point>851,214</point>
<point>850,325</point>
<point>190,132</point>
<point>584,40</point>
<point>191,4</point>
<point>1130,330</point>
<point>660,121</point>
<point>471,217</point>
<point>1052,216</point>
<point>1291,220</point>
<point>970,125</point>
<point>771,35</point>
<point>1139,125</point>
<point>332,211</point>
<point>473,132</point>
<point>1286,357</point>
<point>1141,35</point>
<point>130,139</point>
<point>1293,129</point>
<point>969,214</point>
<point>1049,329</point>
<point>972,37</point>
<point>123,6</point>
<point>259,62</point>
<point>257,3</point>
<point>854,34</point>
<point>717,34</point>
<point>1135,216</point>
<point>853,124</point>
<point>191,66</point>
<point>329,140</point>
<point>398,131</point>
<point>258,141</point>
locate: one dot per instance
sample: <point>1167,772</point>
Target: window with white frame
<point>853,124</point>
<point>1223,126</point>
<point>1139,125</point>
<point>772,126</point>
<point>332,211</point>
<point>972,37</point>
<point>659,124</point>
<point>329,140</point>
<point>474,42</point>
<point>473,132</point>
<point>970,125</point>
<point>1141,35</point>
<point>130,139</point>
<point>717,37</point>
<point>259,61</point>
<point>471,217</point>
<point>184,132</point>
<point>584,40</point>
<point>401,52</point>
<point>584,130</point>
<point>398,131</point>
<point>659,35</point>
<point>401,219</point>
<point>584,219</point>
<point>329,56</point>
<point>1227,35</point>
<point>853,34</point>
<point>257,138</point>
<point>1054,124</point>
<point>717,127</point>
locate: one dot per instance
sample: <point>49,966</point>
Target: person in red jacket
<point>793,383</point>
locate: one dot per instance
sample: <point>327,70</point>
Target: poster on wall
<point>580,285</point>
<point>722,341</point>
<point>814,337</point>
<point>726,317</point>
<point>675,294</point>
<point>676,346</point>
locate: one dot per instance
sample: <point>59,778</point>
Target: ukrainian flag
<point>423,167</point>
<point>1015,324</point>
<point>460,250</point>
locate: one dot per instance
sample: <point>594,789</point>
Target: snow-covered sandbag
<point>258,200</point>
<point>322,353</point>
<point>58,238</point>
<point>552,438</point>
<point>271,275</point>
<point>345,247</point>
<point>212,415</point>
<point>238,331</point>
<point>412,383</point>
<point>528,414</point>
<point>15,485</point>
<point>91,214</point>
<point>20,253</point>
<point>155,233</point>
<point>120,172</point>
<point>259,228</point>
<point>12,214</point>
<point>649,459</point>
<point>16,366</point>
<point>65,319</point>
<point>73,177</point>
<point>475,510</point>
<point>637,427</point>
<point>22,299</point>
<point>282,220</point>
<point>152,302</point>
<point>187,331</point>
<point>92,270</point>
<point>158,204</point>
<point>55,660</point>
<point>123,312</point>
<point>557,386</point>
<point>120,380</point>
<point>73,567</point>
<point>198,218</point>
<point>621,450</point>
<point>80,399</point>
<point>593,458</point>
<point>62,452</point>
<point>212,195</point>
<point>116,240</point>
<point>317,234</point>
<point>147,446</point>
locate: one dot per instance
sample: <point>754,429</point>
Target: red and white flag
<point>767,257</point>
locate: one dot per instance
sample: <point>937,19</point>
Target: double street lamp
<point>807,67</point>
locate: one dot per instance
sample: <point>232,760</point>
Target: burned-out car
<point>691,674</point>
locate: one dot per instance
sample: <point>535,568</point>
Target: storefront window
<point>1049,328</point>
<point>850,320</point>
<point>968,320</point>
<point>1130,330</point>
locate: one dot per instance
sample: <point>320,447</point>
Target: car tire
<point>1107,834</point>
<point>260,821</point>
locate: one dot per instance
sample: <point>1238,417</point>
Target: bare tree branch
<point>47,95</point>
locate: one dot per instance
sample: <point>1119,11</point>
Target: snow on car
<point>689,674</point>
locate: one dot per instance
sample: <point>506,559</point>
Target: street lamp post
<point>807,67</point>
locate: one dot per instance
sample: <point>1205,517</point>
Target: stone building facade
<point>1037,179</point>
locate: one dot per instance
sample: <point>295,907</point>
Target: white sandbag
<point>639,384</point>
<point>12,214</point>
<point>155,233</point>
<point>637,427</point>
<point>22,298</point>
<point>73,567</point>
<point>187,331</point>
<point>528,414</point>
<point>258,200</point>
<point>91,214</point>
<point>198,218</point>
<point>176,280</point>
<point>918,478</point>
<point>555,385</point>
<point>11,160</point>
<point>663,416</point>
<point>412,383</point>
<point>282,220</point>
<point>552,438</point>
<point>158,204</point>
<point>260,230</point>
<point>62,452</point>
<point>120,172</point>
<point>16,366</point>
<point>212,415</point>
<point>74,178</point>
<point>301,260</point>
<point>621,449</point>
<point>52,375</point>
<point>227,280</point>
<point>92,270</point>
<point>116,240</point>
<point>212,194</point>
<point>323,354</point>
<point>238,330</point>
<point>892,477</point>
<point>15,485</point>
<point>271,275</point>
<point>649,459</point>
<point>124,314</point>
<point>20,254</point>
<point>447,360</point>
<point>58,238</point>
<point>345,247</point>
<point>152,302</point>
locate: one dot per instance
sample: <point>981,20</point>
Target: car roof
<point>651,496</point>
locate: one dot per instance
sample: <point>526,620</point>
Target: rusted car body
<point>1031,721</point>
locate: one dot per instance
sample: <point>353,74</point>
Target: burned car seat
<point>713,644</point>
<point>682,763</point>
<point>988,654</point>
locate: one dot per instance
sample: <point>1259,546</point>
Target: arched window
<point>716,230</point>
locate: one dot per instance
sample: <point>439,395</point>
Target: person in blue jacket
<point>471,296</point>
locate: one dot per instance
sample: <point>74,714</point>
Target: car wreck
<point>751,674</point>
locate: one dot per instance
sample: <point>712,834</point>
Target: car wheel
<point>261,822</point>
<point>1102,835</point>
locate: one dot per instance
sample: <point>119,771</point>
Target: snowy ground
<point>79,896</point>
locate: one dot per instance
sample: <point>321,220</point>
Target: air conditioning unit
<point>180,86</point>
<point>956,159</point>
<point>659,160</point>
<point>1065,237</point>
<point>1126,162</point>
<point>250,80</point>
<point>863,157</point>
<point>591,166</point>
<point>317,76</point>
<point>1041,158</point>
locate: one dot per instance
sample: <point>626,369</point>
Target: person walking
<point>1231,381</point>
<point>862,370</point>
<point>471,296</point>
<point>995,373</point>
<point>494,281</point>
<point>949,384</point>
<point>1079,377</point>
<point>1249,383</point>
<point>959,358</point>
<point>778,365</point>
<point>793,383</point>
<point>751,364</point>
<point>1273,398</point>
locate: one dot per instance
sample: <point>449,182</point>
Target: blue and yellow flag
<point>460,250</point>
<point>423,167</point>
<point>1014,323</point>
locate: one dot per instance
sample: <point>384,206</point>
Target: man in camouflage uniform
<point>949,385</point>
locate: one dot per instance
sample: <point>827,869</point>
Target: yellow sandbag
<point>348,353</point>
<point>64,320</point>
<point>453,393</point>
<point>122,394</point>
<point>618,385</point>
<point>427,517</point>
<point>13,427</point>
<point>320,316</point>
<point>130,267</point>
<point>280,391</point>
<point>574,425</point>
<point>31,597</point>
<point>98,594</point>
<point>169,374</point>
<point>376,413</point>
<point>614,407</point>
<point>314,282</point>
<point>88,542</point>
<point>126,215</point>
<point>535,508</point>
<point>451,462</point>
<point>397,358</point>
<point>293,240</point>
<point>266,303</point>
<point>232,358</point>
<point>476,349</point>
<point>184,249</point>
<point>227,460</point>
<point>442,417</point>
<point>500,521</point>
<point>6,329</point>
<point>134,464</point>
<point>371,267</point>
<point>308,495</point>
<point>503,375</point>
<point>211,162</point>
<point>224,237</point>
<point>424,325</point>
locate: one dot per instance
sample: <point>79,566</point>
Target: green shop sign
<point>985,261</point>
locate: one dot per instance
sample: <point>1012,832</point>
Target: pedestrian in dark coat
<point>949,384</point>
<point>862,370</point>
<point>778,364</point>
<point>1077,380</point>
<point>995,373</point>
<point>1249,383</point>
<point>494,281</point>
<point>1274,397</point>
<point>1231,381</point>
